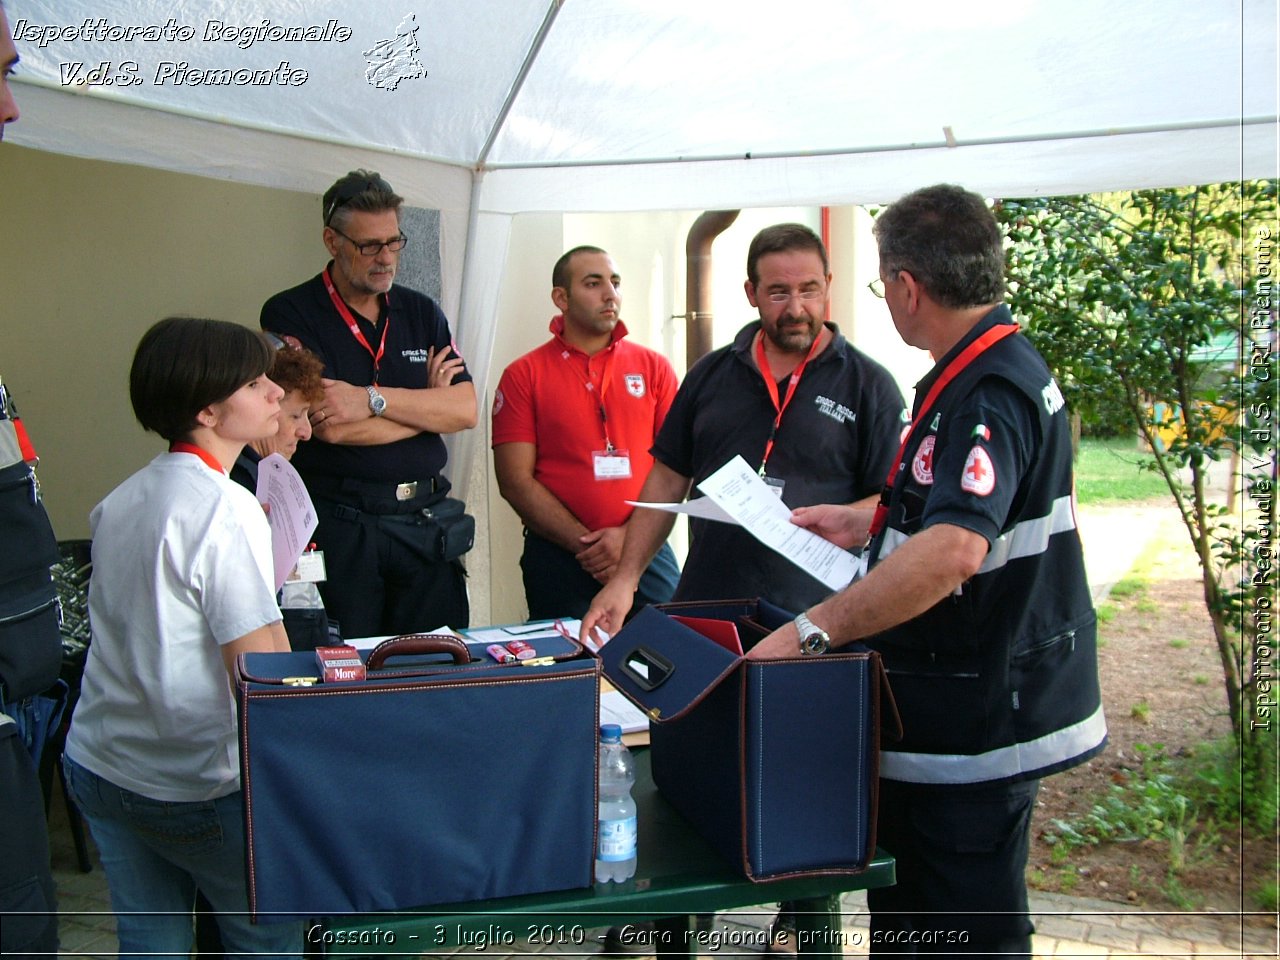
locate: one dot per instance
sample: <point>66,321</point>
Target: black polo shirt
<point>416,324</point>
<point>835,444</point>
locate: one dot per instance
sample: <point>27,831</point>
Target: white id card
<point>310,568</point>
<point>612,464</point>
<point>775,485</point>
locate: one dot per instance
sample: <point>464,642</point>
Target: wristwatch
<point>813,640</point>
<point>377,402</point>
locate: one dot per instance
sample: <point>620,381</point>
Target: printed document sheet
<point>291,515</point>
<point>740,493</point>
<point>736,494</point>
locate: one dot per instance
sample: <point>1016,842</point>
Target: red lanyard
<point>341,306</point>
<point>605,379</point>
<point>771,385</point>
<point>953,370</point>
<point>9,412</point>
<point>181,446</point>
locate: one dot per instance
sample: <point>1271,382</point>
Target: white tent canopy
<point>511,106</point>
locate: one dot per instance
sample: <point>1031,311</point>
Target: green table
<point>678,875</point>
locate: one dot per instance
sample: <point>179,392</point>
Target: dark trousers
<point>30,924</point>
<point>379,580</point>
<point>961,856</point>
<point>555,585</point>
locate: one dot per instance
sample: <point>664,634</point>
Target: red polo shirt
<point>550,397</point>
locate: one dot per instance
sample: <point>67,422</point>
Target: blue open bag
<point>441,778</point>
<point>774,762</point>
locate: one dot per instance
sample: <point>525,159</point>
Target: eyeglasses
<point>371,248</point>
<point>876,286</point>
<point>809,293</point>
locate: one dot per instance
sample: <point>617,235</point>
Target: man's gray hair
<point>947,238</point>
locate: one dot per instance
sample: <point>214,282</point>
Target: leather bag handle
<point>417,644</point>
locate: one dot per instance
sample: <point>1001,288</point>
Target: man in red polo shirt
<point>573,422</point>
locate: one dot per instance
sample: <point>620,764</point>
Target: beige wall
<point>93,253</point>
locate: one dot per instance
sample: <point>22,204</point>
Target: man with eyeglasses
<point>976,595</point>
<point>817,417</point>
<point>393,384</point>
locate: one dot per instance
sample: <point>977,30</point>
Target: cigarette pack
<point>339,664</point>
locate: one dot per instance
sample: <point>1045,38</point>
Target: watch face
<point>814,643</point>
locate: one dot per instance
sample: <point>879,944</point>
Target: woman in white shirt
<point>182,584</point>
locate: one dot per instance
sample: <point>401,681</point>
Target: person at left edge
<point>573,422</point>
<point>28,901</point>
<point>393,385</point>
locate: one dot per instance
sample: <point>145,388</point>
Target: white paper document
<point>291,515</point>
<point>527,632</point>
<point>740,493</point>
<point>615,708</point>
<point>703,507</point>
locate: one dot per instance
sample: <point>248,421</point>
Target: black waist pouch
<point>442,531</point>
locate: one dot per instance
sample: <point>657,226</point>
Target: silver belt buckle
<point>407,491</point>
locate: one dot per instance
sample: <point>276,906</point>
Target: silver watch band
<point>813,640</point>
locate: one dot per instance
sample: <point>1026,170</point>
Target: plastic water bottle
<point>616,852</point>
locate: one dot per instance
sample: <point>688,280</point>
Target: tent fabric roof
<point>1033,95</point>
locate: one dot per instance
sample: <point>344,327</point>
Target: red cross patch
<point>922,463</point>
<point>979,475</point>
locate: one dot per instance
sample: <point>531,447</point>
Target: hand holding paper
<point>740,493</point>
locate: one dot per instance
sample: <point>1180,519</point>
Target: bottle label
<point>617,839</point>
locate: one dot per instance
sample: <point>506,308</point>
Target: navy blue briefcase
<point>442,777</point>
<point>774,762</point>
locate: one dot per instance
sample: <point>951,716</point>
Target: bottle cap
<point>611,733</point>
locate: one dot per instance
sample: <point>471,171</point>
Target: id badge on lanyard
<point>777,484</point>
<point>611,464</point>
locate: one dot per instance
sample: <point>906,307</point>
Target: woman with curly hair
<point>297,371</point>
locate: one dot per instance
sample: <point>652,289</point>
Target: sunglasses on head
<point>350,189</point>
<point>280,342</point>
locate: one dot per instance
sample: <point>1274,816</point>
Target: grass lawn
<point>1110,472</point>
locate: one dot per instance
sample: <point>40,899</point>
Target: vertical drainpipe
<point>697,297</point>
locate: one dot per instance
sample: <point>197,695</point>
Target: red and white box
<point>339,664</point>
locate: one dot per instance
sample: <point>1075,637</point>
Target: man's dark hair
<point>359,190</point>
<point>780,238</point>
<point>184,364</point>
<point>560,272</point>
<point>947,238</point>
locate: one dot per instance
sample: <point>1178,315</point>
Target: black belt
<point>386,490</point>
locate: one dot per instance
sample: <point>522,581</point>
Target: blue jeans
<point>156,853</point>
